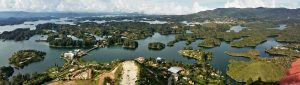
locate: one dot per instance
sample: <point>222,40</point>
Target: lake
<point>236,28</point>
<point>32,24</point>
<point>219,61</point>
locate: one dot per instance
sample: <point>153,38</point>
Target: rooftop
<point>175,69</point>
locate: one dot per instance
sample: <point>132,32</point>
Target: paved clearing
<point>130,73</point>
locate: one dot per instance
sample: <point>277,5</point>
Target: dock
<point>79,53</point>
<point>83,53</point>
<point>40,40</point>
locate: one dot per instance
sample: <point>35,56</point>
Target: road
<point>130,73</point>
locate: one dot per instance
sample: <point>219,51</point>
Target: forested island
<point>156,46</point>
<point>25,57</point>
<point>18,34</point>
<point>282,51</point>
<point>252,54</point>
<point>210,43</point>
<point>196,54</point>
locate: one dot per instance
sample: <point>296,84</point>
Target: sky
<point>159,7</point>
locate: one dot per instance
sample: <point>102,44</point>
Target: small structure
<point>140,59</point>
<point>175,69</point>
<point>280,47</point>
<point>191,82</point>
<point>69,55</point>
<point>175,27</point>
<point>174,77</point>
<point>158,58</point>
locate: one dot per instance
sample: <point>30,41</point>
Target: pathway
<point>130,73</point>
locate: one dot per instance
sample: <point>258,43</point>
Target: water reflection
<point>32,24</point>
<point>236,28</point>
<point>281,27</point>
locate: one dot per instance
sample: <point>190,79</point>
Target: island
<point>25,57</point>
<point>210,43</point>
<point>156,46</point>
<point>282,51</point>
<point>130,44</point>
<point>18,34</point>
<point>119,41</point>
<point>251,41</point>
<point>252,54</point>
<point>57,41</point>
<point>196,54</point>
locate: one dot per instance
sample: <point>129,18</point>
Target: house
<point>69,55</point>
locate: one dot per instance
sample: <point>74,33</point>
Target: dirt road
<point>130,73</point>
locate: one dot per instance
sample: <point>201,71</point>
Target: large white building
<point>69,55</point>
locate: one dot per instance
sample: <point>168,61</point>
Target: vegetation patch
<point>26,57</point>
<point>156,45</point>
<point>18,34</point>
<point>155,72</point>
<point>251,41</point>
<point>252,54</point>
<point>6,72</point>
<point>196,54</point>
<point>258,70</point>
<point>210,42</point>
<point>282,51</point>
<point>242,71</point>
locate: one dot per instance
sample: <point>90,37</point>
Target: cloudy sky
<point>168,7</point>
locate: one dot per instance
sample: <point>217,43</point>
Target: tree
<point>249,81</point>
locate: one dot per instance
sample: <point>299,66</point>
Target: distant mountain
<point>18,17</point>
<point>22,14</point>
<point>259,13</point>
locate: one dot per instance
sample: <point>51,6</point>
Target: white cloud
<point>176,7</point>
<point>145,6</point>
<point>262,3</point>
